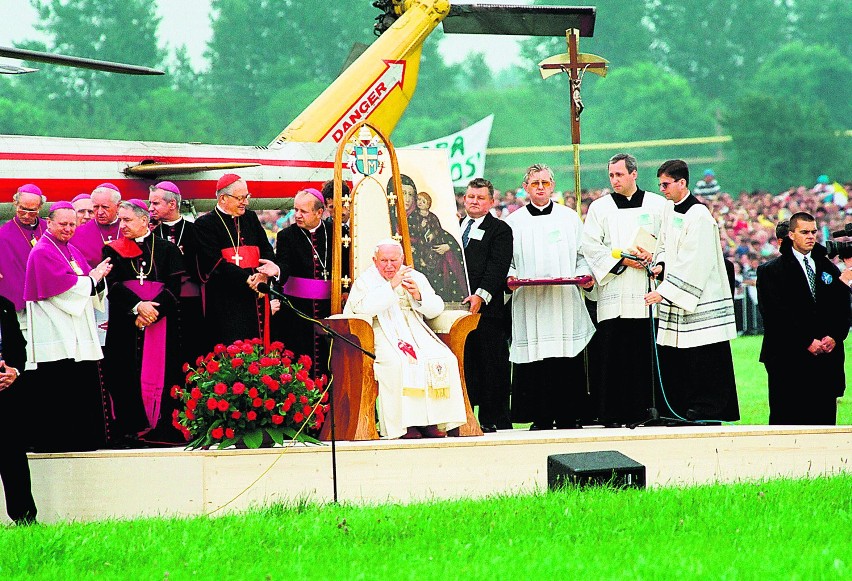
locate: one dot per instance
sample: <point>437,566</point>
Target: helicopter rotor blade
<point>79,62</point>
<point>519,20</point>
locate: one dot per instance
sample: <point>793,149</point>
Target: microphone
<point>617,253</point>
<point>267,290</point>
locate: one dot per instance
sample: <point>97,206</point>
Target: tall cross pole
<point>574,64</point>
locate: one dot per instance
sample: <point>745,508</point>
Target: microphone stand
<point>654,418</point>
<point>329,331</point>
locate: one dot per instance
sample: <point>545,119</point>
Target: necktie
<point>466,233</point>
<point>811,277</point>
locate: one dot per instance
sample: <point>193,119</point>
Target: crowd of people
<point>119,293</point>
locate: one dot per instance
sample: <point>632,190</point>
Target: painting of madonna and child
<point>433,224</point>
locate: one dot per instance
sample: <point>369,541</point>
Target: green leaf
<point>228,442</point>
<point>253,439</point>
<point>277,435</point>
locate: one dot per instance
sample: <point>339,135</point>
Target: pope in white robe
<point>420,392</point>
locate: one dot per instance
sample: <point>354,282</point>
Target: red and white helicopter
<point>377,86</point>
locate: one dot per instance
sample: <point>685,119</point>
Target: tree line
<point>772,74</point>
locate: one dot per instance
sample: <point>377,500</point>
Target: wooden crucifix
<point>574,64</point>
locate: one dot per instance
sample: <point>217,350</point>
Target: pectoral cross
<point>237,258</point>
<point>142,276</point>
<point>324,274</point>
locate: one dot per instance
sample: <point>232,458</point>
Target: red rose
<point>229,433</point>
<point>185,367</point>
<point>195,393</point>
<point>298,417</point>
<point>319,417</point>
<point>291,397</point>
<point>247,349</point>
<point>236,414</point>
<point>217,433</point>
<point>274,386</point>
<point>253,393</point>
<point>236,362</point>
<point>199,360</point>
<point>286,362</point>
<point>251,416</point>
<point>301,375</point>
<point>174,392</point>
<point>239,388</point>
<point>277,420</point>
<point>303,399</point>
<point>232,350</point>
<point>256,402</point>
<point>286,405</point>
<point>305,362</point>
<point>189,376</point>
<point>223,405</point>
<point>276,346</point>
<point>191,404</point>
<point>307,410</point>
<point>219,349</point>
<point>324,397</point>
<point>286,378</point>
<point>220,388</point>
<point>212,403</point>
<point>256,340</point>
<point>325,409</point>
<point>212,367</point>
<point>309,383</point>
<point>265,379</point>
<point>190,415</point>
<point>288,354</point>
<point>269,404</point>
<point>254,368</point>
<point>208,357</point>
<point>266,361</point>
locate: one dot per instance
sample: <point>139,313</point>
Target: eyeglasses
<point>665,185</point>
<point>541,183</point>
<point>27,210</point>
<point>239,199</point>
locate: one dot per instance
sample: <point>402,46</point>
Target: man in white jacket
<point>420,391</point>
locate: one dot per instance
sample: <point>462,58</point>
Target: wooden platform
<point>135,483</point>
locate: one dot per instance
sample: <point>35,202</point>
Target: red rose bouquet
<point>245,393</point>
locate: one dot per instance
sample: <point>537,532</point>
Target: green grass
<point>751,383</point>
<point>782,529</point>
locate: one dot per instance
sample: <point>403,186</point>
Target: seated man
<point>420,391</point>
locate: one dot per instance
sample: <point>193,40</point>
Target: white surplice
<point>419,390</point>
<point>548,321</point>
<point>698,308</point>
<point>607,228</point>
<point>64,327</point>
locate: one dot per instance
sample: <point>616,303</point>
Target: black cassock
<point>232,310</point>
<point>125,343</point>
<point>190,314</point>
<point>304,254</point>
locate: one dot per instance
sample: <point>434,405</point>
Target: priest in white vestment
<point>628,219</point>
<point>420,392</point>
<point>61,292</point>
<point>550,324</point>
<point>696,312</point>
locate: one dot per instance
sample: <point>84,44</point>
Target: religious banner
<point>465,149</point>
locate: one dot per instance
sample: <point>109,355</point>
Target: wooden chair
<point>354,388</point>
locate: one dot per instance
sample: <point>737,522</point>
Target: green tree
<point>824,22</point>
<point>778,142</point>
<point>808,74</point>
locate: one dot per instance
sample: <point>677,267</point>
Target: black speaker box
<point>607,468</point>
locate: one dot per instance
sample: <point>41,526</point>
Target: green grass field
<point>751,383</point>
<point>774,530</point>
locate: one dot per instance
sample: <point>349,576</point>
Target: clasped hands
<point>267,269</point>
<point>403,277</point>
<point>146,314</point>
<point>7,375</point>
<point>818,347</point>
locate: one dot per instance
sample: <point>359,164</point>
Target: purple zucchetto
<point>108,186</point>
<point>315,193</point>
<point>30,189</point>
<point>168,187</point>
<point>61,206</point>
<point>139,203</point>
<point>79,197</point>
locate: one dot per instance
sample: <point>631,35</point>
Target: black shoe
<point>488,429</point>
<point>613,425</point>
<point>539,427</point>
<point>569,426</point>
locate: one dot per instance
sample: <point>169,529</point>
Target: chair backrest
<point>405,194</point>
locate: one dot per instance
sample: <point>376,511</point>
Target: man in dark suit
<point>806,317</point>
<point>14,468</point>
<point>487,245</point>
